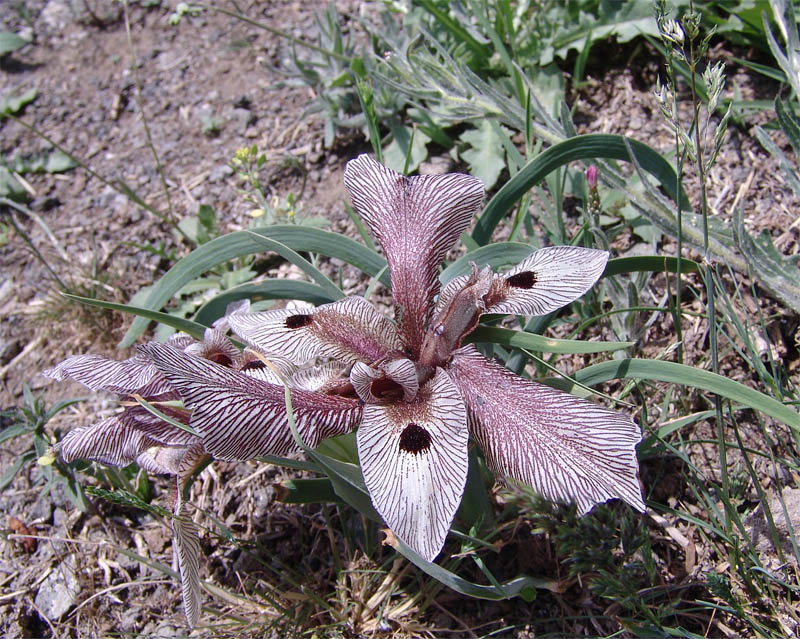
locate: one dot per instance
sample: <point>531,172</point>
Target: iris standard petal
<point>565,448</point>
<point>350,330</point>
<point>416,220</point>
<point>385,382</point>
<point>414,459</point>
<point>318,378</point>
<point>239,417</point>
<point>546,280</point>
<point>217,347</point>
<point>101,373</point>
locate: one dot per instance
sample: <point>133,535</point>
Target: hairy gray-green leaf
<point>408,148</point>
<point>769,264</point>
<point>11,42</point>
<point>485,155</point>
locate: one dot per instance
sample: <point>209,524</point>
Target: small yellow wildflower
<point>48,459</point>
<point>240,156</point>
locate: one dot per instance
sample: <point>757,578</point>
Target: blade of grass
<point>538,343</point>
<point>582,147</point>
<point>219,250</point>
<point>150,408</point>
<point>688,376</point>
<point>187,326</point>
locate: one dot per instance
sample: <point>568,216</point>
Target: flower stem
<point>708,278</point>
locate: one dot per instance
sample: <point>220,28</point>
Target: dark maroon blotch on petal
<point>254,365</point>
<point>220,358</point>
<point>414,439</point>
<point>384,388</point>
<point>298,321</point>
<point>526,279</point>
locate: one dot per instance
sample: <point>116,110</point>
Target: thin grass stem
<point>140,104</point>
<point>708,274</point>
<point>278,32</point>
<point>24,236</point>
<point>87,168</point>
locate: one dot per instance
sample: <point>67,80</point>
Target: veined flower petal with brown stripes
<point>414,459</point>
<point>217,347</point>
<point>564,447</point>
<point>140,419</point>
<point>240,417</point>
<point>416,220</point>
<point>349,330</point>
<point>546,280</point>
<point>187,551</point>
<point>100,373</point>
<point>109,441</point>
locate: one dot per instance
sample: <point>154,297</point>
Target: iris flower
<point>414,392</point>
<point>136,434</point>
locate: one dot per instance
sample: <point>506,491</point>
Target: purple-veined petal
<point>403,372</point>
<point>101,373</point>
<point>362,377</point>
<point>194,458</point>
<point>257,369</point>
<point>240,306</point>
<point>546,280</point>
<point>108,441</point>
<point>186,546</point>
<point>240,417</point>
<point>181,340</point>
<point>161,460</point>
<point>385,382</point>
<point>348,330</point>
<point>216,347</point>
<point>181,462</point>
<point>252,362</point>
<point>318,378</point>
<point>414,459</point>
<point>157,387</point>
<point>138,418</point>
<point>416,220</point>
<point>564,447</point>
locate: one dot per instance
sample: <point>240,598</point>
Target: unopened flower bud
<point>591,177</point>
<point>671,31</point>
